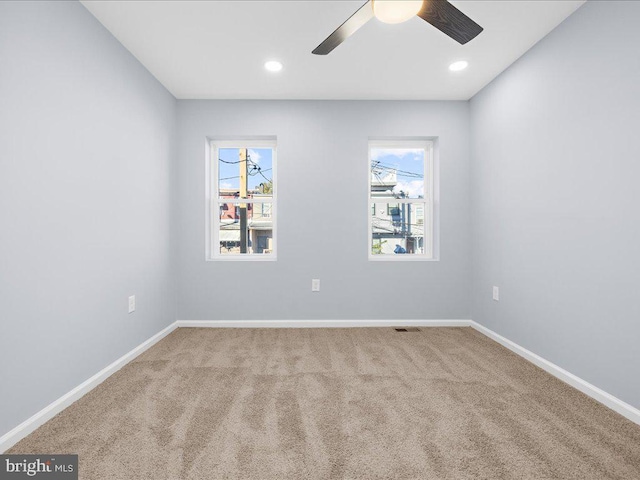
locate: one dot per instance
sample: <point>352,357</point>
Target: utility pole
<point>243,194</point>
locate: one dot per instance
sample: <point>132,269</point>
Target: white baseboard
<point>320,323</point>
<point>25,428</point>
<point>576,382</point>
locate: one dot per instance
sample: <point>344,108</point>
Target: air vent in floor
<point>407,329</point>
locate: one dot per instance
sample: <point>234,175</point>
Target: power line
<point>389,168</point>
<point>231,163</point>
<point>400,223</point>
<point>377,176</point>
<point>256,166</point>
<point>238,176</point>
<point>400,173</point>
<point>262,175</point>
<point>256,169</point>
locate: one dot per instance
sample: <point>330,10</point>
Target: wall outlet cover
<point>132,303</point>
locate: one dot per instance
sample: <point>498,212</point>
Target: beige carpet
<point>367,403</point>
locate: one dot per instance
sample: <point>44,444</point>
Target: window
<point>241,204</point>
<point>402,201</point>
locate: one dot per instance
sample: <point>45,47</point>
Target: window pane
<point>246,228</point>
<point>397,228</point>
<point>251,168</point>
<point>397,172</point>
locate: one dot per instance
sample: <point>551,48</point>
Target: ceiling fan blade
<point>348,28</point>
<point>448,19</point>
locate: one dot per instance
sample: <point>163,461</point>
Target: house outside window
<point>241,203</point>
<point>402,200</point>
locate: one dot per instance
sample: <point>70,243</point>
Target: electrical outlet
<point>315,285</point>
<point>132,303</point>
<point>496,294</point>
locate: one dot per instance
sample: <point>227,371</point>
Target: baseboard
<point>25,428</point>
<point>576,382</point>
<point>319,323</point>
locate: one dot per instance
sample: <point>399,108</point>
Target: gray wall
<point>556,217</point>
<point>90,196</point>
<point>86,148</point>
<point>322,216</point>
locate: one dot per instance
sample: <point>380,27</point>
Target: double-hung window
<point>402,204</point>
<point>241,200</point>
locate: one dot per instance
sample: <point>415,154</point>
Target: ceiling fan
<point>439,13</point>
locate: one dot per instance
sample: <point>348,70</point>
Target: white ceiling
<point>217,49</point>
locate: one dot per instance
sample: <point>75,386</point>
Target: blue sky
<point>408,163</point>
<point>409,166</point>
<point>229,173</point>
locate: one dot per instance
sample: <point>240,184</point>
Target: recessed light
<point>458,66</point>
<point>273,66</point>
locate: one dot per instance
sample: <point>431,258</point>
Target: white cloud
<point>255,156</point>
<point>377,153</point>
<point>414,188</point>
<point>225,185</point>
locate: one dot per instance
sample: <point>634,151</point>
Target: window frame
<point>430,200</point>
<point>213,200</point>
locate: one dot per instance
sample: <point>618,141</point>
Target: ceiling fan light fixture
<point>396,11</point>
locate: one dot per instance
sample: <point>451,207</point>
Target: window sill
<point>401,258</point>
<point>238,258</point>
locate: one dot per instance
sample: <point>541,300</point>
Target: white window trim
<point>431,200</point>
<point>212,220</point>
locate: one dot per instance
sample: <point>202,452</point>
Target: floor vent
<point>407,329</point>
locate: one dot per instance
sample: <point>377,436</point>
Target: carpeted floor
<point>365,403</point>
